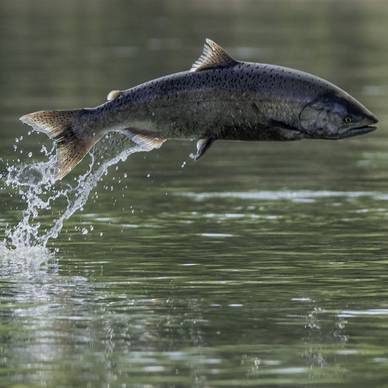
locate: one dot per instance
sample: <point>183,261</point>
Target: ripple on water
<point>294,196</point>
<point>216,235</point>
<point>363,313</point>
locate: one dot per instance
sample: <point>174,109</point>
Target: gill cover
<point>325,116</point>
<point>313,113</point>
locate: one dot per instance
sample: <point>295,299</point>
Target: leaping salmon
<point>218,98</point>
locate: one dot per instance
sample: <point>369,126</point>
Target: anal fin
<point>148,140</point>
<point>202,146</point>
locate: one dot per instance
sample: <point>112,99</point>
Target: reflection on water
<point>59,317</point>
<point>261,264</point>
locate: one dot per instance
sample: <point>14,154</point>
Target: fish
<point>219,98</point>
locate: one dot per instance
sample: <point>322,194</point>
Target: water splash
<point>35,183</point>
<point>28,261</point>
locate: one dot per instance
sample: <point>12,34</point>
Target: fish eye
<point>347,120</point>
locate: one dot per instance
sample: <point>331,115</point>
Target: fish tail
<point>64,127</point>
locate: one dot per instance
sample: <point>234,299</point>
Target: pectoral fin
<point>146,139</point>
<point>202,146</point>
<point>285,132</point>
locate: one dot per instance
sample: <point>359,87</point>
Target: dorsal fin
<point>212,55</point>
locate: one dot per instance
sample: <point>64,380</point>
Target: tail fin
<point>61,126</point>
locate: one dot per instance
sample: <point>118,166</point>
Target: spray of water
<point>36,184</point>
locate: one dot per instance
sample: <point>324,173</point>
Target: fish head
<point>336,116</point>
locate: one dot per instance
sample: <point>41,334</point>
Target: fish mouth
<point>350,132</point>
<point>358,131</point>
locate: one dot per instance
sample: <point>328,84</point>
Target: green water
<point>262,264</point>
